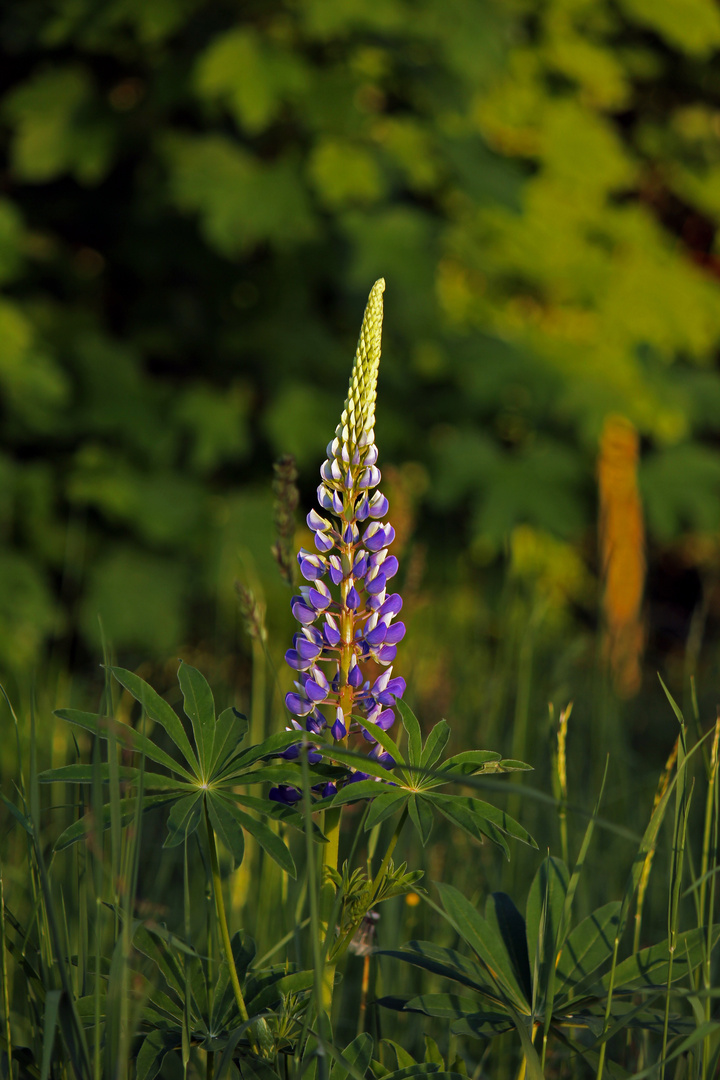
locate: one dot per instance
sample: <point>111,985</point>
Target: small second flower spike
<point>347,610</point>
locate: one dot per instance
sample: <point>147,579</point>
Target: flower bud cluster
<point>347,610</point>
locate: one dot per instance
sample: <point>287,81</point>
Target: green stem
<point>330,856</point>
<point>608,1010</point>
<point>222,920</point>
<point>388,854</point>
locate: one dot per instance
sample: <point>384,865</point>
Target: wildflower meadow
<point>197,892</point>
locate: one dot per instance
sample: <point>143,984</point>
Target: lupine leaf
<point>403,1058</point>
<point>159,711</point>
<point>421,816</point>
<point>159,949</point>
<point>86,774</point>
<point>476,758</point>
<point>649,967</point>
<point>487,812</point>
<point>435,744</point>
<point>481,1025</point>
<point>150,1056</point>
<point>476,826</point>
<point>423,1069</point>
<point>288,984</point>
<point>386,741</point>
<point>444,961</point>
<point>412,727</point>
<point>230,730</point>
<point>125,735</point>
<point>270,747</point>
<point>357,1055</point>
<point>362,763</point>
<point>86,824</point>
<point>183,819</point>
<point>384,806</point>
<point>483,940</point>
<point>200,709</point>
<point>445,1006</point>
<point>588,946</point>
<point>507,922</point>
<point>543,917</point>
<point>226,825</point>
<point>277,811</point>
<point>266,838</point>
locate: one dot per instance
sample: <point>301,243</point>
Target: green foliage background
<point>195,200</point>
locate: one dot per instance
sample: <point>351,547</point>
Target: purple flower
<point>345,614</point>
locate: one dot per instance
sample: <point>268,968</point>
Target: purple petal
<point>362,510</point>
<point>395,633</point>
<point>311,568</point>
<point>374,537</point>
<point>385,719</point>
<point>351,534</point>
<point>379,506</point>
<point>357,776</point>
<point>353,599</point>
<point>325,497</point>
<point>307,650</point>
<point>386,654</point>
<point>376,585</point>
<point>298,706</point>
<point>328,790</point>
<point>335,568</point>
<point>331,634</point>
<point>316,522</point>
<point>360,566</point>
<point>319,600</point>
<point>284,794</point>
<point>323,542</point>
<point>337,503</point>
<point>390,566</point>
<point>392,606</point>
<point>355,676</point>
<point>372,455</point>
<point>292,752</point>
<point>377,635</point>
<point>302,613</point>
<point>297,662</point>
<point>339,731</point>
<point>315,692</point>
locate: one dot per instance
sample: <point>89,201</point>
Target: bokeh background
<point>195,199</point>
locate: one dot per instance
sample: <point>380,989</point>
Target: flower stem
<point>327,901</point>
<point>222,920</point>
<point>388,854</point>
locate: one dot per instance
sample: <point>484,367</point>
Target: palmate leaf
<point>86,774</point>
<point>412,727</point>
<point>421,816</point>
<point>199,707</point>
<point>441,960</point>
<point>588,947</point>
<point>486,817</point>
<point>488,945</point>
<point>183,819</point>
<point>543,916</point>
<point>507,922</point>
<point>125,736</point>
<point>230,730</point>
<point>81,828</point>
<point>443,1006</point>
<point>435,744</point>
<point>159,711</point>
<point>233,819</point>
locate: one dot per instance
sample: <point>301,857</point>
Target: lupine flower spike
<point>346,611</point>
